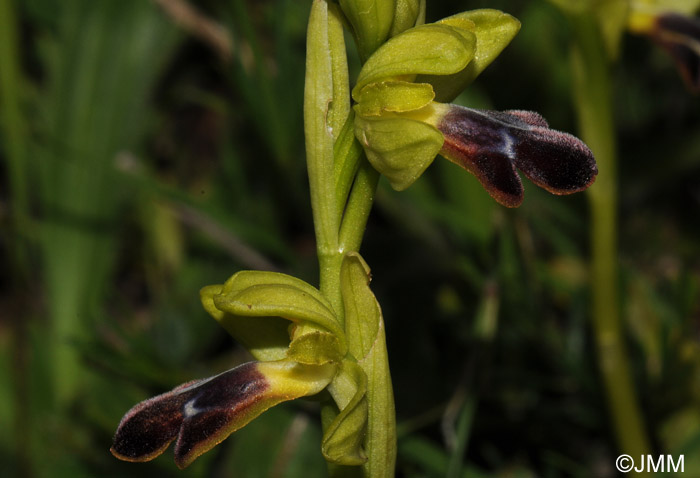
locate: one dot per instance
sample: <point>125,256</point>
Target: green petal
<point>315,348</point>
<point>399,148</point>
<point>494,30</point>
<point>426,49</point>
<point>394,97</point>
<point>266,339</point>
<point>343,439</point>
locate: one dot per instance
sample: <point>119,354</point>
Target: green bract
<point>344,438</point>
<point>364,326</point>
<point>397,85</point>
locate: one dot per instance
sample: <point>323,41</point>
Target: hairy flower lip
<point>491,144</point>
<point>199,415</point>
<point>679,35</point>
<point>149,427</point>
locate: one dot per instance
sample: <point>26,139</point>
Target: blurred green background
<point>147,151</point>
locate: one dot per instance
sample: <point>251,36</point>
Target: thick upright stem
<point>326,110</point>
<point>594,109</point>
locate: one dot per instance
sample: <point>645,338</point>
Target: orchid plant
<point>329,341</point>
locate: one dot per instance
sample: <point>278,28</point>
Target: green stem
<point>594,109</point>
<point>358,208</point>
<point>333,155</point>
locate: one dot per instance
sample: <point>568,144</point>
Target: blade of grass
<point>593,96</point>
<point>13,129</point>
<point>103,68</point>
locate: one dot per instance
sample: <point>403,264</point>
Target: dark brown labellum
<point>200,414</point>
<point>491,144</point>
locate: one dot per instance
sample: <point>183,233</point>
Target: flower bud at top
<point>371,22</point>
<point>408,14</point>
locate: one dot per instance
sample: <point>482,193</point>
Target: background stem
<point>594,109</point>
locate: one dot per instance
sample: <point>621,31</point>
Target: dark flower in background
<point>679,35</point>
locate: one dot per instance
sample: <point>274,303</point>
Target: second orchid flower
<point>403,125</point>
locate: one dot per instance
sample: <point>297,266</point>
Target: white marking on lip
<point>190,410</point>
<point>509,143</point>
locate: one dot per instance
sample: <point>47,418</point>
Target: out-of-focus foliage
<point>139,162</point>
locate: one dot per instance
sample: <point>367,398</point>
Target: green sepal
<point>272,294</point>
<point>277,300</point>
<point>266,340</point>
<point>393,97</point>
<point>343,439</point>
<point>399,148</point>
<point>406,15</point>
<point>494,30</point>
<point>364,323</point>
<point>244,279</point>
<point>315,348</point>
<point>371,22</point>
<point>427,49</point>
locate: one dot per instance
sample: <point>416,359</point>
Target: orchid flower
<point>301,349</point>
<point>672,25</point>
<point>403,123</point>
